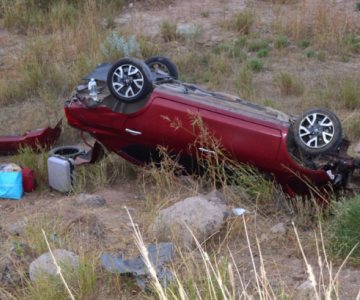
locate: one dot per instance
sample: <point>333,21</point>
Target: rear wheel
<point>129,80</point>
<point>162,66</point>
<point>318,131</point>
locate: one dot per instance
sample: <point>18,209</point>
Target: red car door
<point>164,122</point>
<point>248,142</point>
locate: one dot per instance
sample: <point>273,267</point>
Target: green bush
<point>304,44</point>
<point>264,52</point>
<point>255,65</point>
<point>311,53</point>
<point>344,233</point>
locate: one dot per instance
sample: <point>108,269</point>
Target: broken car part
<point>158,254</point>
<point>36,139</point>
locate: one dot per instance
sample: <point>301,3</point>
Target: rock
<point>90,200</point>
<point>44,264</point>
<point>278,228</point>
<point>203,215</point>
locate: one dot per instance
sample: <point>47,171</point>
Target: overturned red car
<point>138,106</point>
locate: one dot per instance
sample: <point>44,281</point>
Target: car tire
<point>163,66</point>
<point>67,151</point>
<point>318,132</point>
<point>129,80</point>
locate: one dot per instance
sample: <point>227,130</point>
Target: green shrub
<point>344,233</point>
<point>255,65</point>
<point>304,44</point>
<point>264,52</point>
<point>311,53</point>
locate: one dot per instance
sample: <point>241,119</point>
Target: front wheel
<point>318,131</point>
<point>129,80</point>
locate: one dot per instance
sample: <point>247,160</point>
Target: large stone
<point>90,200</point>
<point>44,264</point>
<point>203,215</point>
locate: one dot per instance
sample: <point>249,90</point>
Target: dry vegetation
<point>288,54</point>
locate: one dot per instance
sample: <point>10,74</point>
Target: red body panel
<point>44,137</point>
<point>167,119</point>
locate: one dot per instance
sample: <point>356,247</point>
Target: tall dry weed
<point>325,22</point>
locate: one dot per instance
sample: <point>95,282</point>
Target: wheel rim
<point>127,81</point>
<point>316,130</point>
<point>159,68</point>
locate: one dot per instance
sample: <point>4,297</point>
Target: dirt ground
<point>108,229</point>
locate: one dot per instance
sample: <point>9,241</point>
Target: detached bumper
<point>36,139</point>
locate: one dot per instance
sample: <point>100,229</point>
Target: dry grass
<point>207,275</point>
<point>52,64</point>
<point>168,31</point>
<point>241,22</point>
<point>322,22</point>
<point>289,85</point>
